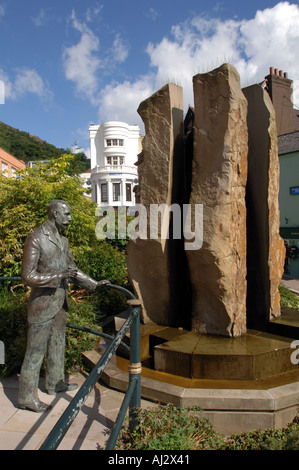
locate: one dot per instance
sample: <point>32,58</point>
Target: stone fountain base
<point>241,384</point>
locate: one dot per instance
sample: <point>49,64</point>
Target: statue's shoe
<point>62,387</point>
<point>35,405</point>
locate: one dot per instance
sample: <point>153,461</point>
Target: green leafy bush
<point>169,427</point>
<point>23,208</point>
<point>270,439</point>
<point>288,298</point>
<point>82,312</point>
<point>13,327</point>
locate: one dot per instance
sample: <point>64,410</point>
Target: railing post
<point>135,364</point>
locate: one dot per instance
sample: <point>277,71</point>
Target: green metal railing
<point>132,397</point>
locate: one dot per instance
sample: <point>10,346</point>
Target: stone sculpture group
<point>224,156</point>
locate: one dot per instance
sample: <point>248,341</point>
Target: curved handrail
<point>122,289</point>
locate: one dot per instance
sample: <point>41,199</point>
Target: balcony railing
<point>114,169</point>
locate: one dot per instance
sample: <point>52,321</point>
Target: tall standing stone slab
<point>149,260</point>
<point>218,269</point>
<point>266,252</point>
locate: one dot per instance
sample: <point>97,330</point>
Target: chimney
<point>280,89</point>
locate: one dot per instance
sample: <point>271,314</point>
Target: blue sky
<point>66,64</point>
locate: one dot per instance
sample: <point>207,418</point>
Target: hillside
<point>26,147</point>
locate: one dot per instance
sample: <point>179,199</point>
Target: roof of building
<point>288,143</point>
<point>10,158</point>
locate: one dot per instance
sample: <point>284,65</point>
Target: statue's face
<point>63,216</point>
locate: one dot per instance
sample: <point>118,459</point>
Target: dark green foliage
<point>170,428</point>
<point>23,207</point>
<point>270,439</point>
<point>13,326</point>
<point>26,147</point>
<point>167,427</point>
<point>82,312</point>
<point>79,164</point>
<point>288,298</point>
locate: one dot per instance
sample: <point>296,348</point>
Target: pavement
<point>27,430</point>
<point>291,283</point>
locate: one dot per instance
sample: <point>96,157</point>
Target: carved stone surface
<point>148,259</point>
<point>218,269</point>
<point>266,251</point>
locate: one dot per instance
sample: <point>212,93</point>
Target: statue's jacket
<point>46,256</point>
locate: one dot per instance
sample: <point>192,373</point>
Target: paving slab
<point>26,430</point>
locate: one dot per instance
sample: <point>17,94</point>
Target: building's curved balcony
<point>121,169</point>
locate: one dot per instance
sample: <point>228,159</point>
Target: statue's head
<point>59,212</point>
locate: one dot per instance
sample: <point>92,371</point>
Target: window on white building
<point>115,160</point>
<point>104,192</point>
<point>115,142</point>
<point>128,192</point>
<point>116,191</point>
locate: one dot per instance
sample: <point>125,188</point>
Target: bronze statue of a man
<point>47,265</point>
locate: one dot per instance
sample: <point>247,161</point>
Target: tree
<point>23,207</point>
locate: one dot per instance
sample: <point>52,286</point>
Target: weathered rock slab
<point>218,269</point>
<point>265,247</point>
<point>148,259</point>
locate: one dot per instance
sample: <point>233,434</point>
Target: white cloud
<point>120,101</point>
<point>26,81</point>
<point>94,12</point>
<point>7,83</point>
<point>200,44</point>
<point>269,39</point>
<point>84,61</point>
<point>272,38</point>
<point>44,16</point>
<point>81,62</point>
<point>2,10</point>
<point>153,14</point>
<point>41,18</point>
<point>120,49</point>
<point>29,81</point>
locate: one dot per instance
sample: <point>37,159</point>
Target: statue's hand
<point>103,283</point>
<point>71,273</point>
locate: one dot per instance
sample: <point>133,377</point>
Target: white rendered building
<point>114,147</point>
